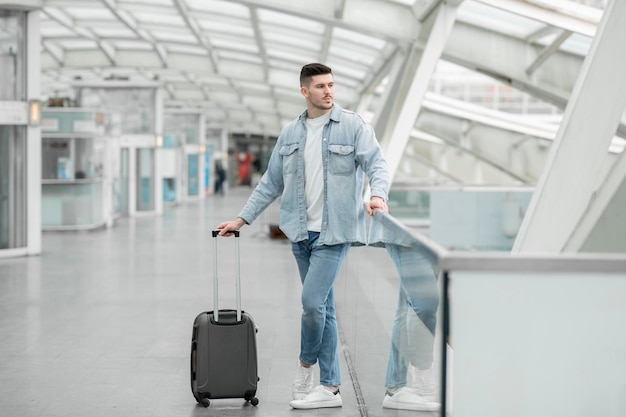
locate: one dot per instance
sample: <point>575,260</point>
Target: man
<point>317,168</point>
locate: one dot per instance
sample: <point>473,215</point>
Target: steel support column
<point>404,122</point>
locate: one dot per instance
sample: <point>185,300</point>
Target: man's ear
<point>304,91</point>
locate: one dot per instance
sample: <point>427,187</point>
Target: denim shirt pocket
<point>341,159</point>
<point>290,158</point>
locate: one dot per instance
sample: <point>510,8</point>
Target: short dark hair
<point>309,70</point>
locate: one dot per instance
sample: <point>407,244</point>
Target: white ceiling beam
<point>548,51</point>
<point>396,33</point>
<point>480,114</point>
<point>423,135</point>
<point>64,20</point>
<point>132,25</point>
<point>195,29</point>
<point>401,127</point>
<point>430,164</point>
<point>54,51</point>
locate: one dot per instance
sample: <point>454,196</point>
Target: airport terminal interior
<point>129,129</point>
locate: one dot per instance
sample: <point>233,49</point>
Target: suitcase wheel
<point>254,401</point>
<point>205,402</point>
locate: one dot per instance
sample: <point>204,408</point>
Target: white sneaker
<point>422,381</point>
<point>303,384</point>
<point>320,397</point>
<point>407,399</point>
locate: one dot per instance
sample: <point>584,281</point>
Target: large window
<point>12,187</point>
<point>12,138</point>
<point>12,49</point>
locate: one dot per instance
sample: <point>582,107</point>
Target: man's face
<point>319,93</point>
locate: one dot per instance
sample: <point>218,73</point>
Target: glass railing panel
<point>387,301</point>
<point>478,219</point>
<point>533,334</point>
<point>72,204</point>
<point>540,343</point>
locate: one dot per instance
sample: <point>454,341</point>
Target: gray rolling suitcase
<point>223,348</point>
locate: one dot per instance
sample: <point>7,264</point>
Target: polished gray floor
<point>100,323</point>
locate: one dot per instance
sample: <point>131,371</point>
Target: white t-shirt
<point>314,172</point>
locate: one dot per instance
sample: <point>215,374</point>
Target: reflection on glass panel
<point>193,186</point>
<point>72,158</point>
<point>135,105</point>
<point>388,303</point>
<point>56,159</point>
<point>12,24</point>
<point>409,204</point>
<point>12,187</point>
<point>169,190</point>
<point>411,358</point>
<point>145,179</point>
<point>124,181</point>
<point>71,204</point>
<point>184,126</point>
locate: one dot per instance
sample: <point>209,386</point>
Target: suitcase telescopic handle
<point>217,231</point>
<point>216,313</point>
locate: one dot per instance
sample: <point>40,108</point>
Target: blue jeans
<point>412,335</point>
<point>318,266</point>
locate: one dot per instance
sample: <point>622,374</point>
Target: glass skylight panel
<point>365,58</point>
<point>286,20</point>
<point>292,38</point>
<point>182,37</point>
<point>234,45</point>
<point>167,3</point>
<point>338,67</point>
<point>286,82</point>
<point>571,8</point>
<point>578,44</point>
<point>214,81</point>
<point>172,19</point>
<point>89,13</point>
<point>290,52</point>
<point>243,29</point>
<point>405,2</point>
<point>304,57</point>
<point>78,44</point>
<point>258,102</point>
<point>254,88</point>
<point>54,31</point>
<point>575,43</point>
<point>224,97</point>
<point>114,32</point>
<point>189,94</point>
<point>130,45</point>
<point>359,38</point>
<point>222,7</point>
<point>240,56</point>
<point>184,49</point>
<point>497,20</point>
<point>173,77</point>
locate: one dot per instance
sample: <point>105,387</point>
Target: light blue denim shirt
<point>349,151</point>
